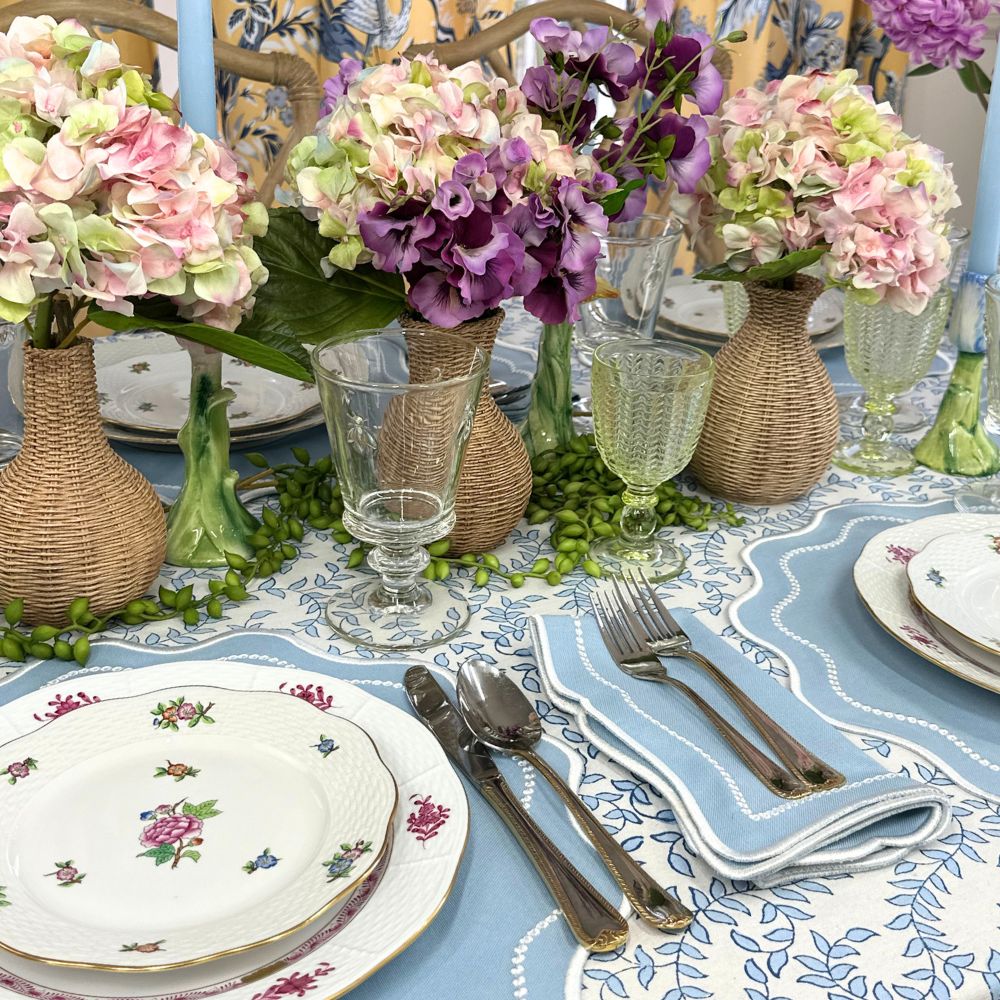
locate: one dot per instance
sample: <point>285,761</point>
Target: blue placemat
<point>498,924</point>
<point>805,608</point>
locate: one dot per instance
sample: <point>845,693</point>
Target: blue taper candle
<point>196,65</point>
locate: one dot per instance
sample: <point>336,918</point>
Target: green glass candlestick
<point>207,520</point>
<point>957,444</point>
<point>550,417</point>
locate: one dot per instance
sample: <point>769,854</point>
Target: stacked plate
<point>143,384</point>
<point>201,837</point>
<point>934,584</point>
<point>694,312</point>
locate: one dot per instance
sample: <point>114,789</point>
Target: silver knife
<point>595,923</point>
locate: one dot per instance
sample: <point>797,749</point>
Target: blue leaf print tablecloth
<point>925,929</point>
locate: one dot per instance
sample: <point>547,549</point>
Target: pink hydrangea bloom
<point>814,161</point>
<point>104,195</point>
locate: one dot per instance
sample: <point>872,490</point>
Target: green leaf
<point>974,78</point>
<point>192,854</point>
<point>925,70</point>
<point>776,270</point>
<point>202,810</point>
<point>615,202</point>
<point>161,854</point>
<point>281,353</point>
<point>300,301</point>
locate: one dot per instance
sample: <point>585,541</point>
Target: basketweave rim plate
<point>955,578</point>
<point>108,794</point>
<point>370,930</point>
<point>882,584</point>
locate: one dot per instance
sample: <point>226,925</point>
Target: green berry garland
<point>572,488</point>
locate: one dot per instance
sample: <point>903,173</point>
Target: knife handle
<point>595,923</point>
<point>650,900</point>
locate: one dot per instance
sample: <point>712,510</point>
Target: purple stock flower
<point>393,237</point>
<point>336,86</point>
<point>549,93</point>
<point>656,11</point>
<point>941,32</point>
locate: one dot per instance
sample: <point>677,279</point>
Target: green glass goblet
<point>888,352</point>
<point>649,400</point>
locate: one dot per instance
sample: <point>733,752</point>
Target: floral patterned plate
<point>382,916</point>
<point>172,828</point>
<point>956,579</point>
<point>150,391</point>
<point>880,576</point>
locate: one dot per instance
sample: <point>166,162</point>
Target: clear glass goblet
<point>649,400</point>
<point>636,260</point>
<point>908,417</point>
<point>888,352</point>
<point>399,406</point>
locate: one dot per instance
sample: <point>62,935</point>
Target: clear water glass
<point>908,417</point>
<point>10,437</point>
<point>983,497</point>
<point>649,400</point>
<point>399,406</point>
<point>887,352</point>
<point>636,260</point>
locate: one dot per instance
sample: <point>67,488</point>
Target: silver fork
<point>630,652</point>
<point>666,638</point>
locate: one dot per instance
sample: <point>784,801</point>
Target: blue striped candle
<point>196,65</point>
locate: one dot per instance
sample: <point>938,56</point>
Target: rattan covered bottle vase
<point>76,520</point>
<point>494,482</point>
<point>772,420</point>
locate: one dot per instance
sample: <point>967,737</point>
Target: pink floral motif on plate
<point>427,819</point>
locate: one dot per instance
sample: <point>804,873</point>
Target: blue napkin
<point>737,825</point>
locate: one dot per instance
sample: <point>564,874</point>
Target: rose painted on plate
<point>172,835</point>
<point>172,714</point>
<point>263,860</point>
<point>177,771</point>
<point>19,769</point>
<point>145,949</point>
<point>342,863</point>
<point>66,874</point>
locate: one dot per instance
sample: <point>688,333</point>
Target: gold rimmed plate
<point>175,827</point>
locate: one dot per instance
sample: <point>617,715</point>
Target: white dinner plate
<point>884,588</point>
<point>241,815</point>
<point>956,579</point>
<point>149,390</point>
<point>698,306</point>
<point>384,915</point>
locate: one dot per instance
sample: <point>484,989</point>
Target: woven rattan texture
<point>772,421</point>
<point>495,480</point>
<point>76,520</point>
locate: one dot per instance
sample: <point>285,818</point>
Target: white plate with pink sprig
<point>880,576</point>
<point>390,908</point>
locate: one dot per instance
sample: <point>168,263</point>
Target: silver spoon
<point>497,711</point>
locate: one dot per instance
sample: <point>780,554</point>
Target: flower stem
<point>42,333</point>
<point>550,416</point>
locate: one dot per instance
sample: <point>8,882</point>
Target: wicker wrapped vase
<point>495,479</point>
<point>76,520</point>
<point>772,420</point>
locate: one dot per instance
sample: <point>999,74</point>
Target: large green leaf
<point>290,359</point>
<point>299,299</point>
<point>925,70</point>
<point>974,78</point>
<point>776,270</point>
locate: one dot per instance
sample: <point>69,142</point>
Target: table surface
<point>832,938</point>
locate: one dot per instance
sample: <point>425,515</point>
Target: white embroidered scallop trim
<point>518,979</point>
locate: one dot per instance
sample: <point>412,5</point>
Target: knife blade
<point>595,923</point>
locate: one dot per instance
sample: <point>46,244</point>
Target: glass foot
<point>874,458</point>
<point>365,615</point>
<point>10,445</point>
<point>905,420</point>
<point>660,561</point>
<point>980,498</point>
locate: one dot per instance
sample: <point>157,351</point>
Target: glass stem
<point>399,568</point>
<point>639,520</point>
<point>877,423</point>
